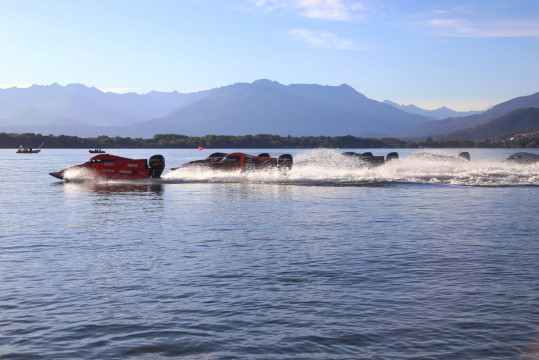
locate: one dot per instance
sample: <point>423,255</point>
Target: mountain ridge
<point>263,106</point>
<point>451,125</point>
<point>519,120</point>
<point>273,108</point>
<point>283,109</point>
<point>438,114</point>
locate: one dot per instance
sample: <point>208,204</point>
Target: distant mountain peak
<point>345,88</point>
<point>265,82</point>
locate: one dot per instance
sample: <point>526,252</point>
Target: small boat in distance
<point>96,151</point>
<point>112,167</point>
<point>27,150</point>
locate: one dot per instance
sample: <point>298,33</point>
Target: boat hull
<point>241,162</point>
<point>111,167</point>
<point>523,158</point>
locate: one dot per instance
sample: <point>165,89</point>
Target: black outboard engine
<point>156,164</point>
<point>392,156</point>
<point>285,162</point>
<point>465,155</point>
<point>366,158</point>
<point>370,159</point>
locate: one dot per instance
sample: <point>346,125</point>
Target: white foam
<point>330,167</point>
<point>80,174</point>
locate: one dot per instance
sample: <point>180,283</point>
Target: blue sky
<point>467,55</point>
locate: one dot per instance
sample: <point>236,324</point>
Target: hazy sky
<point>467,55</point>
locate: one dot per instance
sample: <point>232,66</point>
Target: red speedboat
<point>241,161</point>
<point>111,167</point>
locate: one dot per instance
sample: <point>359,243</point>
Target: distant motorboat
<point>27,150</point>
<point>96,151</point>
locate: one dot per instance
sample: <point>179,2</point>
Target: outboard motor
<point>285,162</point>
<point>366,158</point>
<point>465,155</point>
<point>371,160</point>
<point>156,164</point>
<point>392,156</point>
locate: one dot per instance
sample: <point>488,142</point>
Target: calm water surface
<point>412,260</point>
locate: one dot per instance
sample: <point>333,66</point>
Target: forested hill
<point>522,120</point>
<point>260,141</point>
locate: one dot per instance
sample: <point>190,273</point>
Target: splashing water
<point>325,167</point>
<point>80,174</point>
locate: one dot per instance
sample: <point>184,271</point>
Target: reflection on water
<point>271,266</point>
<point>110,206</point>
<point>113,187</point>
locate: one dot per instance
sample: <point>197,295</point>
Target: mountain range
<point>261,107</point>
<point>437,114</point>
<point>454,124</point>
<point>524,119</point>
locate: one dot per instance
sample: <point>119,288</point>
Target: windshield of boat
<point>232,158</point>
<point>215,157</point>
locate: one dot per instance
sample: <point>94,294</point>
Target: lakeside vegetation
<point>528,139</point>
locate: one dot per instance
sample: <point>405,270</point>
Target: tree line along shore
<point>260,141</point>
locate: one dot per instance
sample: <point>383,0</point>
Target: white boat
<point>27,150</point>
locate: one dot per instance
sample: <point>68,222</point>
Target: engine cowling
<point>392,156</point>
<point>156,164</point>
<point>285,162</point>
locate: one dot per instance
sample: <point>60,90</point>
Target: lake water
<point>415,259</point>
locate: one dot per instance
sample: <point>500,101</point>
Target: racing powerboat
<point>369,159</point>
<point>241,161</point>
<point>462,156</point>
<point>215,157</point>
<point>348,159</point>
<point>523,158</point>
<point>112,167</point>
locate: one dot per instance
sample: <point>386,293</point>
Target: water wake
<point>331,168</point>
